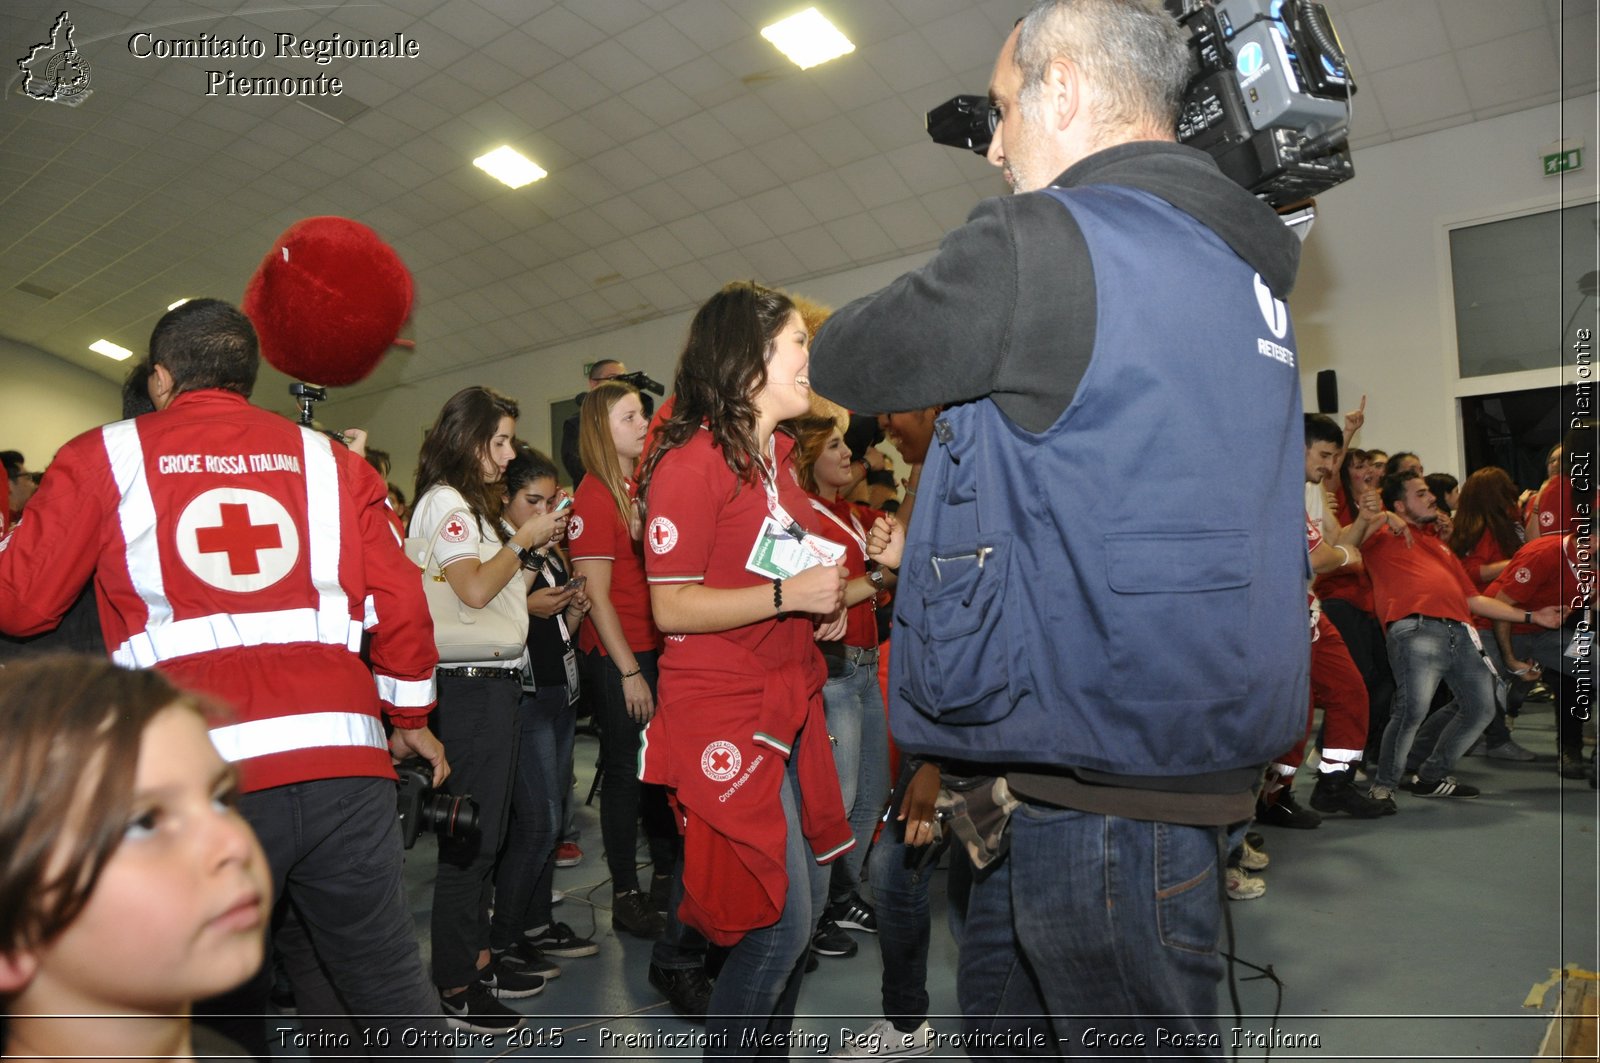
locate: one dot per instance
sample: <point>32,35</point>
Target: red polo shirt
<point>596,532</point>
<point>1424,577</point>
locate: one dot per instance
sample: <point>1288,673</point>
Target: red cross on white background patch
<point>237,540</point>
<point>455,529</point>
<point>663,535</point>
<point>720,761</point>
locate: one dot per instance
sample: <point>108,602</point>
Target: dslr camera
<point>422,808</point>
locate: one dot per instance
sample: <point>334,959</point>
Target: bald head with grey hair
<point>1132,54</point>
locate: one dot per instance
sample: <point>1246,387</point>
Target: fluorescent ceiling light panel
<point>111,350</point>
<point>174,306</point>
<point>808,39</point>
<point>509,166</point>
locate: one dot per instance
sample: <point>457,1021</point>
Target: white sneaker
<point>882,1041</point>
<point>1243,887</point>
<point>1253,859</point>
<point>556,897</point>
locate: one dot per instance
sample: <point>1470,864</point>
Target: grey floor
<point>1419,936</point>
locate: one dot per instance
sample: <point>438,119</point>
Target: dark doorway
<point>1514,430</point>
<point>559,413</point>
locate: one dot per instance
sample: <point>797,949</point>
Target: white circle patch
<point>1547,518</point>
<point>1523,575</point>
<point>574,527</point>
<point>663,535</point>
<point>237,540</point>
<point>455,529</point>
<point>720,761</point>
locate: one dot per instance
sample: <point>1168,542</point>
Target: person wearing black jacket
<point>1088,341</point>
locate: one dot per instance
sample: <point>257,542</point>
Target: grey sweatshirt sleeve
<point>957,328</point>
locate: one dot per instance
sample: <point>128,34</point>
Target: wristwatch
<point>876,577</point>
<point>519,552</point>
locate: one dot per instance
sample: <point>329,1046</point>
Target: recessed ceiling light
<point>509,166</point>
<point>111,350</point>
<point>174,306</point>
<point>808,38</point>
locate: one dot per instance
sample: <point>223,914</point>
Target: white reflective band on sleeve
<point>282,734</point>
<point>406,694</point>
<point>203,634</point>
<point>323,530</point>
<point>370,611</point>
<point>136,512</point>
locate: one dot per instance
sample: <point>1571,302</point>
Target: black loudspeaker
<point>1327,391</point>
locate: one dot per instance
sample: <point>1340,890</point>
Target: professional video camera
<point>1269,99</point>
<point>639,379</point>
<point>424,808</point>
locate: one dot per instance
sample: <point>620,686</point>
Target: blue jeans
<point>334,849</point>
<point>900,879</point>
<point>539,785</point>
<point>760,982</point>
<point>1094,925</point>
<point>477,722</point>
<point>853,704</point>
<point>1424,652</point>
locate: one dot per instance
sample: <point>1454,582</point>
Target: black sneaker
<point>1445,787</point>
<point>687,990</point>
<point>509,984</point>
<point>829,940</point>
<point>632,911</point>
<point>557,939</point>
<point>1286,812</point>
<point>1335,792</point>
<point>525,958</point>
<point>856,914</point>
<point>1571,766</point>
<point>479,1011</point>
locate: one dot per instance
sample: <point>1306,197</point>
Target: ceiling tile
<point>661,202</point>
<point>660,101</point>
<point>709,23</point>
<point>909,225</point>
<point>782,211</point>
<point>1422,91</point>
<point>659,45</point>
<point>563,32</point>
<point>468,22</point>
<point>826,196</point>
<point>662,248</point>
<point>1398,32</point>
<point>659,290</point>
<point>700,236</point>
<point>616,16</point>
<point>1469,22</point>
<point>744,173</point>
<point>741,225</point>
<point>1510,69</point>
<point>774,261</point>
<point>705,137</point>
<point>905,62</point>
<point>839,140</point>
<point>613,66</point>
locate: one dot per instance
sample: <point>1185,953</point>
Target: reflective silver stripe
<point>202,634</point>
<point>312,730</point>
<point>369,610</point>
<point>136,512</point>
<point>323,535</point>
<point>406,694</point>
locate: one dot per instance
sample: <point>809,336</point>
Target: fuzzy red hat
<point>328,301</point>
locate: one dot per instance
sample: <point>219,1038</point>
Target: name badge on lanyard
<point>783,548</point>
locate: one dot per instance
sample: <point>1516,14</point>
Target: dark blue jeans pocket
<point>1188,903</point>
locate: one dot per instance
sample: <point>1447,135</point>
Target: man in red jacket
<point>247,558</point>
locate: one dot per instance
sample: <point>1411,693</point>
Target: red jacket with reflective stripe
<point>244,557</point>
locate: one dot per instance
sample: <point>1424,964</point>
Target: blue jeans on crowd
<point>900,878</point>
<point>1093,926</point>
<point>477,722</point>
<point>539,786</point>
<point>853,704</point>
<point>756,992</point>
<point>1423,653</point>
<point>333,846</point>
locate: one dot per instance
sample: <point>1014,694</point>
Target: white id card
<point>569,661</point>
<point>778,555</point>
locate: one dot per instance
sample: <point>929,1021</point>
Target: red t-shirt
<point>1347,584</point>
<point>1540,574</point>
<point>1559,508</point>
<point>1486,552</point>
<point>596,533</point>
<point>701,527</point>
<point>1425,577</point>
<point>861,626</point>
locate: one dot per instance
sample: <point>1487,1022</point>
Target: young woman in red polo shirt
<point>739,579</point>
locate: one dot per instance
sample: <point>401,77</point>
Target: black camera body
<point>422,808</point>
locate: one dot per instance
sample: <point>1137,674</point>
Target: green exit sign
<point>1563,162</point>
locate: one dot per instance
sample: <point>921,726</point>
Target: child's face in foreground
<point>180,911</point>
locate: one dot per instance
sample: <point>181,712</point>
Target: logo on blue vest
<point>1273,311</point>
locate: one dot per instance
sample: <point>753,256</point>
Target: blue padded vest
<point>1124,591</point>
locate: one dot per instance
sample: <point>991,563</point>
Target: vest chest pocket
<point>1178,615</point>
<point>961,665</point>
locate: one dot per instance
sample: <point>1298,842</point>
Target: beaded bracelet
<point>777,594</point>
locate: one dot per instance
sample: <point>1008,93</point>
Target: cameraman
<point>1120,642</point>
<point>601,371</point>
<point>245,557</point>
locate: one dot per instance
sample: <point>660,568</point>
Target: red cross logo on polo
<point>720,761</point>
<point>237,540</point>
<point>1523,575</point>
<point>1547,518</point>
<point>455,530</point>
<point>574,527</point>
<point>663,535</point>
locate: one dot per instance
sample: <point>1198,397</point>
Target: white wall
<point>45,401</point>
<point>1373,299</point>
